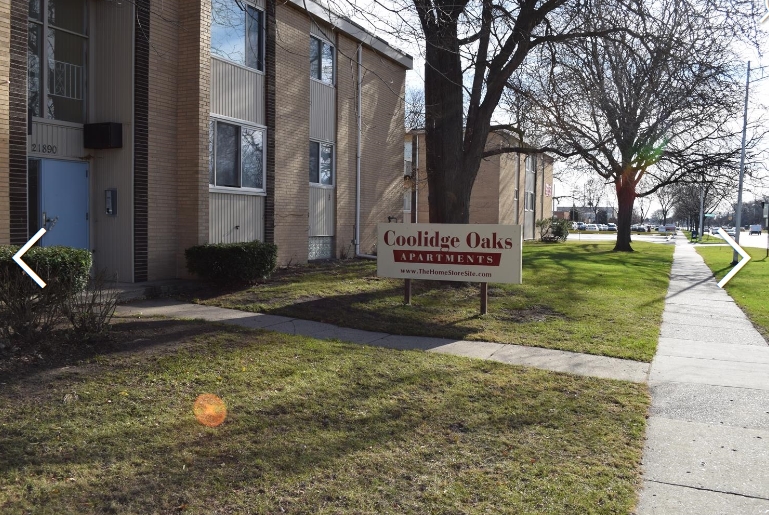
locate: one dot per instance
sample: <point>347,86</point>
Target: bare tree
<point>667,197</point>
<point>472,48</point>
<point>592,193</point>
<point>415,108</point>
<point>650,103</point>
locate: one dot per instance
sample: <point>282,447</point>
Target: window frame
<point>239,190</point>
<point>529,196</point>
<point>333,163</point>
<point>45,28</point>
<point>262,39</point>
<point>322,42</point>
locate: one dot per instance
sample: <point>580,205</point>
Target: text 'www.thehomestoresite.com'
<point>466,273</point>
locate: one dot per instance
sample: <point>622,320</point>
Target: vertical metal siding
<point>111,100</point>
<point>237,92</point>
<point>235,218</point>
<point>322,209</point>
<point>323,33</point>
<point>322,111</point>
<point>52,140</point>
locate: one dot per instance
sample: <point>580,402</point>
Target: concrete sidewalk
<point>707,448</point>
<point>556,360</point>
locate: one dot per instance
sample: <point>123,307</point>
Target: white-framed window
<point>237,33</point>
<point>321,60</point>
<point>321,163</point>
<point>57,45</point>
<point>529,181</point>
<point>236,156</point>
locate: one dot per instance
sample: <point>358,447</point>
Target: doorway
<point>62,201</point>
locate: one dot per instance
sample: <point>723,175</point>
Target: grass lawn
<point>313,427</point>
<point>750,287</point>
<point>580,297</point>
<point>706,238</point>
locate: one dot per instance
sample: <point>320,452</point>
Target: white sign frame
<point>485,253</point>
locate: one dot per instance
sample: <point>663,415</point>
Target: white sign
<point>484,253</point>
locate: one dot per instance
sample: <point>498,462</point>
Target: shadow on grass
<point>400,422</point>
<point>61,350</point>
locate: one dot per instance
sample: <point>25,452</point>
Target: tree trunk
<point>625,198</point>
<point>449,182</point>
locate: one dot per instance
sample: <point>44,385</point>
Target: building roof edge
<point>355,31</point>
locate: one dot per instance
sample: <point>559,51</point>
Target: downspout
<point>358,153</point>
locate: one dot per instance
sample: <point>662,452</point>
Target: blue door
<point>64,203</point>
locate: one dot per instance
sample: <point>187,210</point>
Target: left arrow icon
<point>23,265</point>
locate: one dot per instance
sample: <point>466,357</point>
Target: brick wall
<point>382,145</point>
<point>485,197</point>
<point>346,138</point>
<point>492,199</point>
<point>17,123</point>
<point>163,198</point>
<point>507,185</point>
<point>545,210</point>
<point>292,134</point>
<point>193,100</point>
<point>5,62</point>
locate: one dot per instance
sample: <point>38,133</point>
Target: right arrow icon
<point>23,265</point>
<point>740,251</point>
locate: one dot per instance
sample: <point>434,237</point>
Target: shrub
<point>553,229</point>
<point>26,310</point>
<point>232,262</point>
<point>90,311</point>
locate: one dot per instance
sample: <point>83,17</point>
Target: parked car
<point>603,227</point>
<point>611,227</point>
<point>730,231</point>
<point>754,229</point>
<point>592,227</point>
<point>581,226</point>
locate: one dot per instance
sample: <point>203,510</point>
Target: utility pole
<point>738,215</point>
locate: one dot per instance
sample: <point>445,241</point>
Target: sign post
<point>451,252</point>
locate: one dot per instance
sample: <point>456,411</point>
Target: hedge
<point>232,262</point>
<point>25,308</point>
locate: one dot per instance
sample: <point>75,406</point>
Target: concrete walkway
<point>707,448</point>
<point>556,360</point>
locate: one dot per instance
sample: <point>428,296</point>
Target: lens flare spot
<point>209,410</point>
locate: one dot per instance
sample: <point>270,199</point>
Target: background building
<point>510,189</point>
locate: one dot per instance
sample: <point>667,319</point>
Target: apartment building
<point>139,128</point>
<point>513,189</point>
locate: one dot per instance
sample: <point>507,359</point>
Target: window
<point>56,59</point>
<point>529,182</point>
<point>236,156</point>
<point>321,61</point>
<point>237,33</point>
<point>321,163</point>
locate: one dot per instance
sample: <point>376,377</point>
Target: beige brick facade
<point>346,138</point>
<point>5,52</point>
<point>292,135</point>
<point>163,142</point>
<point>382,146</point>
<point>193,111</point>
